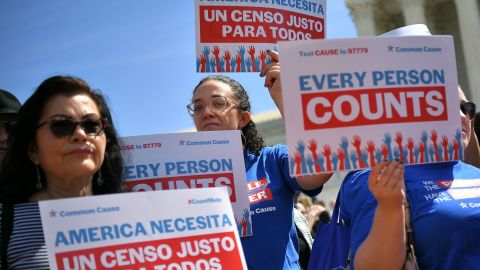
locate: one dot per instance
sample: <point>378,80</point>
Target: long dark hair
<point>18,179</point>
<point>252,141</point>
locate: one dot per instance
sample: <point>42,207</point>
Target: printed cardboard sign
<point>173,229</point>
<point>190,160</point>
<point>350,103</point>
<point>234,36</point>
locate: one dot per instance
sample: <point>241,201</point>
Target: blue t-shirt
<point>444,208</point>
<point>274,244</point>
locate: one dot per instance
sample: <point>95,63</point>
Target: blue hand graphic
<point>344,144</point>
<point>222,65</point>
<point>388,142</point>
<point>396,153</point>
<point>206,52</point>
<point>378,155</point>
<point>249,64</point>
<point>310,164</point>
<point>212,65</point>
<point>334,159</point>
<point>301,150</point>
<point>450,150</point>
<point>232,64</point>
<point>241,51</point>
<point>364,157</point>
<point>440,152</point>
<point>257,63</point>
<point>431,152</point>
<point>320,162</point>
<point>416,153</point>
<point>424,139</point>
<point>458,137</point>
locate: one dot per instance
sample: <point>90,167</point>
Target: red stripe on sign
<point>238,24</point>
<point>186,181</point>
<point>374,106</point>
<point>212,251</point>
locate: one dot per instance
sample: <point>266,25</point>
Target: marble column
<point>363,15</point>
<point>413,11</point>
<point>469,22</point>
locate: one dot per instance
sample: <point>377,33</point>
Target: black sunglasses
<point>64,127</point>
<point>468,108</point>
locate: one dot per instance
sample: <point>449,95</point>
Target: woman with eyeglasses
<point>221,103</point>
<point>63,145</point>
<point>444,209</point>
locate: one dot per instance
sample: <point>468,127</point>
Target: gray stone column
<point>413,11</point>
<point>469,22</point>
<point>363,15</point>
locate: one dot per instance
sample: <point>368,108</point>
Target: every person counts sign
<point>350,103</point>
<point>190,160</point>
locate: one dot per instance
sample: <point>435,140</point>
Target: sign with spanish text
<point>173,229</point>
<point>190,160</point>
<point>234,36</point>
<point>350,103</point>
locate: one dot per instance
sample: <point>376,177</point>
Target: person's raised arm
<point>271,72</point>
<point>384,247</point>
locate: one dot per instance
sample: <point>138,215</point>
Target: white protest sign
<point>190,160</point>
<point>173,229</point>
<point>350,103</point>
<point>233,36</point>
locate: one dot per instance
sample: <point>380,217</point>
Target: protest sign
<point>233,36</point>
<point>350,103</point>
<point>173,229</point>
<point>190,160</point>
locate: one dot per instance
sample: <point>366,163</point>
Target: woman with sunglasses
<point>63,145</point>
<point>221,103</point>
<point>444,209</point>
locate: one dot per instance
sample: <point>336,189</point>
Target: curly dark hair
<point>251,139</point>
<point>18,178</point>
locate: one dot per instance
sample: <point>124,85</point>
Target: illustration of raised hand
<point>203,61</point>
<point>445,147</point>
<point>227,56</point>
<point>371,151</point>
<point>424,139</point>
<point>387,140</point>
<point>410,145</point>
<point>341,158</point>
<point>334,160</point>
<point>249,64</point>
<point>344,144</point>
<point>327,151</point>
<point>310,164</point>
<point>263,57</point>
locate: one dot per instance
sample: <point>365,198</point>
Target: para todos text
<point>227,24</point>
<point>414,95</point>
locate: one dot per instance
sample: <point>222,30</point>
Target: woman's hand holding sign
<point>271,72</point>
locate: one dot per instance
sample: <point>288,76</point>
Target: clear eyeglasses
<point>216,104</point>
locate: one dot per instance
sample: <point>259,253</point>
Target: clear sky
<point>140,54</point>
